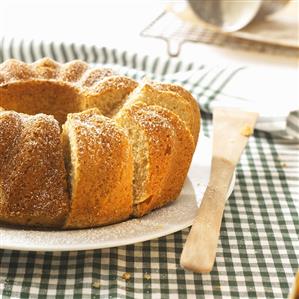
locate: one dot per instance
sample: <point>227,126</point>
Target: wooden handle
<point>231,129</point>
<point>200,248</point>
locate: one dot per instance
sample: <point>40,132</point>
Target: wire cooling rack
<point>176,32</point>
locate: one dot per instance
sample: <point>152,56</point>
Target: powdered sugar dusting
<point>13,70</point>
<point>171,218</point>
<point>33,157</point>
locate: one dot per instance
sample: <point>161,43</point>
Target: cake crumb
<point>247,131</point>
<point>147,276</point>
<point>96,284</point>
<point>126,276</point>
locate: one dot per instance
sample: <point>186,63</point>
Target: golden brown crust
<point>171,97</point>
<point>73,71</point>
<point>180,152</point>
<point>187,96</point>
<point>46,68</point>
<point>101,182</point>
<point>15,70</point>
<point>94,76</point>
<point>32,173</point>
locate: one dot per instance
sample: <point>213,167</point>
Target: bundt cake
<point>113,149</point>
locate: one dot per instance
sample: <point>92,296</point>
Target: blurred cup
<point>233,15</point>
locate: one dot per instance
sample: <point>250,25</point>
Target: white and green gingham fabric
<point>258,250</point>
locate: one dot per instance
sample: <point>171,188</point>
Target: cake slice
<point>181,156</point>
<point>153,141</point>
<point>32,173</point>
<point>100,168</point>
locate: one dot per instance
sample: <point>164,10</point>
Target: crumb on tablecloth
<point>126,276</point>
<point>147,276</point>
<point>96,284</point>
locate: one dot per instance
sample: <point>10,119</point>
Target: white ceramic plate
<point>174,217</point>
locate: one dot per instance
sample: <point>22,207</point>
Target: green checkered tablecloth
<point>258,250</point>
